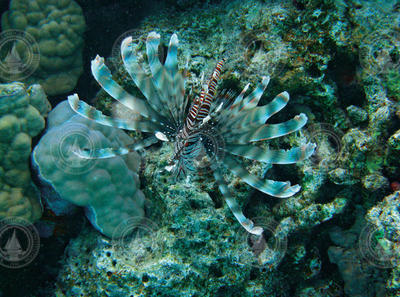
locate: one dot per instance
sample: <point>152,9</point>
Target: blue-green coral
<point>107,189</point>
<point>22,112</point>
<point>57,27</point>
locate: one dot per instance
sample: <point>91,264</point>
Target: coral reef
<point>189,231</point>
<point>57,27</point>
<point>22,118</point>
<point>337,237</point>
<point>22,113</point>
<point>385,221</point>
<point>224,126</point>
<point>108,189</point>
<point>302,46</point>
<point>357,273</point>
<point>186,247</point>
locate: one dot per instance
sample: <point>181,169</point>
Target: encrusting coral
<point>107,189</point>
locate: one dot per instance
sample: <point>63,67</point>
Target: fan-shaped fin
<point>238,101</point>
<point>152,44</point>
<point>141,79</point>
<point>253,152</point>
<point>176,88</point>
<point>234,206</point>
<point>252,100</point>
<point>103,76</point>
<point>267,131</point>
<point>171,63</point>
<point>270,187</point>
<point>165,81</point>
<point>91,113</point>
<point>259,115</point>
<point>105,153</point>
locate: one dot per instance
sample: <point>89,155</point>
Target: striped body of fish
<point>167,113</point>
<point>188,140</point>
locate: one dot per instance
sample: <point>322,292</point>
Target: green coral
<point>57,27</point>
<point>108,189</point>
<point>319,66</point>
<point>20,120</point>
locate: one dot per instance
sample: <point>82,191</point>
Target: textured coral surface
<point>22,113</point>
<point>320,242</point>
<point>108,189</point>
<point>339,235</point>
<point>57,27</point>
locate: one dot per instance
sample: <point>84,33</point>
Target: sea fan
<point>169,115</point>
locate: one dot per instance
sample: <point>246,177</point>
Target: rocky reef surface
<point>339,236</point>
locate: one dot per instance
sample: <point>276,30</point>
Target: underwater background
<point>122,191</point>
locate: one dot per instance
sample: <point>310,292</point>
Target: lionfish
<point>170,115</point>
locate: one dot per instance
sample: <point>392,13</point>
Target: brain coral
<point>21,118</point>
<point>57,26</point>
<point>107,189</point>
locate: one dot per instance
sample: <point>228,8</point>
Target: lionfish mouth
<point>238,123</point>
